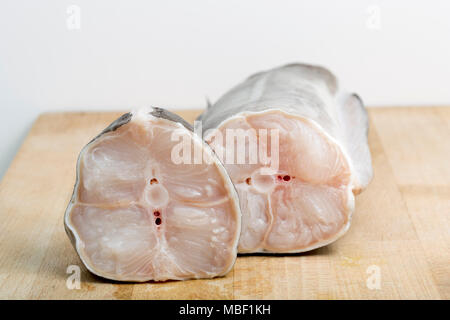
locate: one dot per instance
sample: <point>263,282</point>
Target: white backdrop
<point>103,55</point>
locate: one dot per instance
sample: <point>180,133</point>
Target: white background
<point>175,53</point>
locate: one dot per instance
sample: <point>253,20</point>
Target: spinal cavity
<point>156,195</point>
<point>261,182</point>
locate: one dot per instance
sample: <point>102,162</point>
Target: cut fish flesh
<point>322,156</point>
<point>138,215</point>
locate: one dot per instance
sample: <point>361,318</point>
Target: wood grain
<point>401,223</point>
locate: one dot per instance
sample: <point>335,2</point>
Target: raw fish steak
<point>306,199</point>
<point>138,215</point>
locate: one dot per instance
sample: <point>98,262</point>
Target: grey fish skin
<point>310,94</point>
<point>165,114</point>
<point>130,205</point>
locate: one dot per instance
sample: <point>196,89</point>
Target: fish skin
<point>115,125</point>
<point>313,94</point>
<point>165,114</point>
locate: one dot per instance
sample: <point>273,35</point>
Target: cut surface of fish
<point>138,215</point>
<point>323,159</point>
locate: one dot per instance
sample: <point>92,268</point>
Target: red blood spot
<point>248,180</point>
<point>158,221</point>
<point>280,177</point>
<point>157,213</point>
<point>286,178</point>
<point>153,181</point>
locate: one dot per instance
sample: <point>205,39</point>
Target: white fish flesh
<point>323,156</point>
<point>135,215</point>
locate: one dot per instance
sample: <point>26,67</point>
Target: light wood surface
<point>401,224</point>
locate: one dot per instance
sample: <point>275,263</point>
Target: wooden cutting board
<point>400,233</point>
